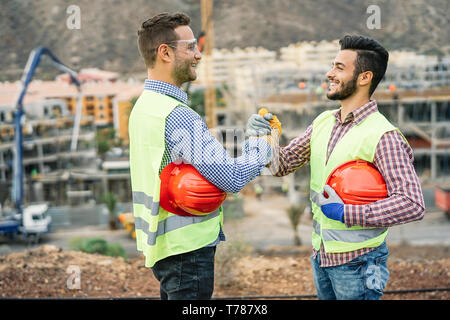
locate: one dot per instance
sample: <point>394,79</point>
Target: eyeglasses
<point>190,46</point>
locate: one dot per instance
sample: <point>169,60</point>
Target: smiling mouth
<point>332,84</point>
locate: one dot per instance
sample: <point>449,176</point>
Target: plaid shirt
<point>393,158</point>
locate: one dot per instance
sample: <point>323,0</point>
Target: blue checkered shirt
<point>187,137</point>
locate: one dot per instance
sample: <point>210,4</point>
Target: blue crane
<point>32,63</point>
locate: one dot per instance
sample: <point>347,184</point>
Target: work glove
<point>264,154</point>
<point>333,206</point>
<point>273,120</point>
<point>258,125</point>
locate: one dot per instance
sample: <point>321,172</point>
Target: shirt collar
<point>166,89</point>
<point>359,114</point>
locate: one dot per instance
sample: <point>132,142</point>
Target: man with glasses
<point>163,129</point>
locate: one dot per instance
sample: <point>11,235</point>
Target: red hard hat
<point>184,191</point>
<point>358,182</point>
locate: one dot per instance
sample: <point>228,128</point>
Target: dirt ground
<point>258,259</point>
<point>48,272</point>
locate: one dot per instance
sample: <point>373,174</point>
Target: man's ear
<point>365,78</point>
<point>165,53</point>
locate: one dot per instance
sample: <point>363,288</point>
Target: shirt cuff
<point>262,147</point>
<point>354,215</point>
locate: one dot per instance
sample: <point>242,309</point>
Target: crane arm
<point>32,63</point>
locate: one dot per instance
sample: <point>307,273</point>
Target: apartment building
<point>310,54</point>
<point>226,63</point>
<point>98,100</point>
<point>52,171</point>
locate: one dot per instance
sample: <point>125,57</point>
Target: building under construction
<point>53,172</point>
<point>416,101</point>
<point>415,97</point>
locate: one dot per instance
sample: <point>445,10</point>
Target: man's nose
<point>198,54</point>
<point>329,74</point>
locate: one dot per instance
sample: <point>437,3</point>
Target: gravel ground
<point>258,259</point>
<point>49,271</point>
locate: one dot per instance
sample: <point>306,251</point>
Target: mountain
<point>108,30</point>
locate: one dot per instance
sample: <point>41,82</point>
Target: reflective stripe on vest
<point>170,224</point>
<point>347,235</point>
<point>141,198</point>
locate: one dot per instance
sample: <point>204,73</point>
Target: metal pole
<point>210,90</point>
<point>76,124</point>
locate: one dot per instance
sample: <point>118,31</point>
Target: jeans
<point>363,278</point>
<point>187,276</point>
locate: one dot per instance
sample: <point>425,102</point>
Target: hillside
<point>107,37</point>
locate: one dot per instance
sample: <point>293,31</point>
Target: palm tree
<point>110,201</point>
<point>294,213</point>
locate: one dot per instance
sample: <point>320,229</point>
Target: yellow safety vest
<point>160,233</point>
<point>360,142</point>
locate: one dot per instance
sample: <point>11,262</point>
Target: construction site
<point>74,157</point>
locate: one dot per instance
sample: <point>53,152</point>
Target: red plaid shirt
<point>393,158</point>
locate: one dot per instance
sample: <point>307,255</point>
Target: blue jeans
<point>363,278</point>
<point>187,276</point>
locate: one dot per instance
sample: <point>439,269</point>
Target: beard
<point>347,89</point>
<point>182,71</point>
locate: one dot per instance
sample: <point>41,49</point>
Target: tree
<point>106,139</point>
<point>294,213</point>
<point>197,100</point>
<point>110,201</point>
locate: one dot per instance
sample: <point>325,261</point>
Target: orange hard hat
<point>358,182</point>
<point>184,191</point>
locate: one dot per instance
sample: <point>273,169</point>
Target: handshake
<point>265,126</point>
<point>263,123</point>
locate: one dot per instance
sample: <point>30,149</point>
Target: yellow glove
<point>274,123</point>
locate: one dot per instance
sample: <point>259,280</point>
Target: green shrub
<point>97,245</point>
<point>76,243</point>
<point>115,250</point>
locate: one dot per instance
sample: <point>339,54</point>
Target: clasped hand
<point>261,124</point>
<point>333,206</point>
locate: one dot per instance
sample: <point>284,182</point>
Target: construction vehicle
<point>31,221</point>
<point>31,224</point>
<point>127,220</point>
<point>442,199</point>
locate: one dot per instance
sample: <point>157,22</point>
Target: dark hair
<point>158,30</point>
<point>371,56</point>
